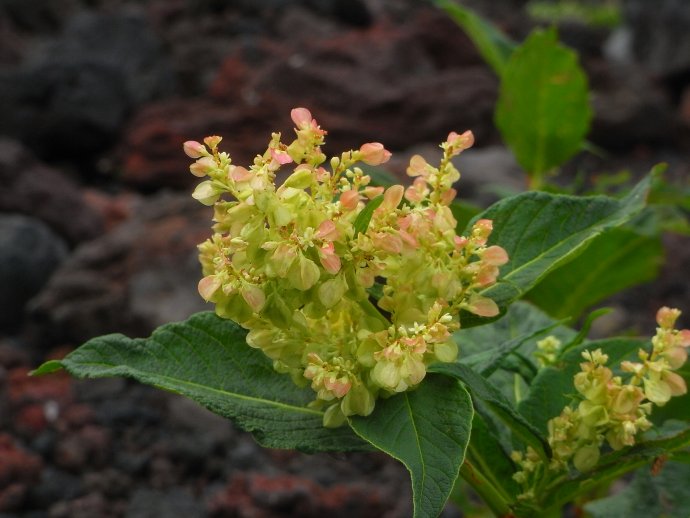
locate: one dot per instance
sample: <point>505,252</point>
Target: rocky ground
<point>98,231</point>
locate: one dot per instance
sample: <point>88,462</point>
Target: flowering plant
<point>350,316</point>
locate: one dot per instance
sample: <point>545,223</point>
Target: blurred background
<point>98,231</point>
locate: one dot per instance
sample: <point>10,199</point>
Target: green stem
<point>486,490</point>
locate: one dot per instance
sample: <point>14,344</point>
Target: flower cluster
<point>355,301</point>
<point>611,410</point>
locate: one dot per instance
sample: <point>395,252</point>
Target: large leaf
<point>553,388</point>
<point>543,109</point>
<point>613,261</point>
<point>492,43</point>
<point>428,430</point>
<point>207,359</point>
<point>489,395</point>
<point>648,495</point>
<point>542,232</point>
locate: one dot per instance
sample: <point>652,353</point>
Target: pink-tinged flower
<point>391,198</point>
<point>481,231</point>
<point>372,192</point>
<point>373,153</point>
<point>391,243</point>
<point>339,386</point>
<point>240,174</point>
<point>418,191</point>
<point>208,286</point>
<point>253,296</point>
<point>349,199</point>
<point>194,149</point>
<point>213,141</point>
<point>460,242</point>
<point>203,166</point>
<point>301,117</point>
<point>495,256</point>
<point>482,306</point>
<point>327,230</point>
<point>666,317</point>
<point>461,142</point>
<point>448,196</point>
<point>487,275</point>
<point>684,339</point>
<point>418,167</point>
<point>280,156</point>
<point>329,260</point>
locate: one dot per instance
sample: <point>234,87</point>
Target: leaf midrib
<point>225,393</point>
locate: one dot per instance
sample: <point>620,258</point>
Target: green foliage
<point>363,218</point>
<point>662,495</point>
<point>542,232</point>
<point>596,14</point>
<point>207,359</point>
<point>427,430</point>
<point>543,109</point>
<point>615,260</point>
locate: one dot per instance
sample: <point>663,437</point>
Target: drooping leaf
<point>542,232</point>
<point>428,430</point>
<point>543,109</point>
<point>648,495</point>
<point>363,218</point>
<point>613,261</point>
<point>492,43</point>
<point>552,389</point>
<point>481,389</point>
<point>207,359</point>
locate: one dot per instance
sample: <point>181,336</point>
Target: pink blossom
<point>203,166</point>
<point>373,153</point>
<point>301,117</point>
<point>418,166</point>
<point>208,286</point>
<point>327,230</point>
<point>329,260</point>
<point>349,199</point>
<point>213,141</point>
<point>495,256</point>
<point>459,143</point>
<point>240,174</point>
<point>280,156</point>
<point>666,317</point>
<point>194,149</point>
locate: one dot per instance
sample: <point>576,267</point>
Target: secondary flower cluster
<point>350,287</point>
<point>611,410</point>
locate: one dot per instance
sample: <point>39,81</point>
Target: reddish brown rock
<point>18,469</point>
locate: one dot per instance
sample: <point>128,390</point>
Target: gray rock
<point>147,503</point>
<point>29,254</point>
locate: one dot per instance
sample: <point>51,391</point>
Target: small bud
<point>301,117</point>
<point>213,141</point>
<point>373,153</point>
<point>194,149</point>
<point>666,317</point>
<point>208,286</point>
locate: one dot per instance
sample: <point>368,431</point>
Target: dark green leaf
<point>542,232</point>
<point>648,496</point>
<point>463,212</point>
<point>361,224</point>
<point>543,107</point>
<point>615,260</point>
<point>481,389</point>
<point>428,430</point>
<point>206,359</point>
<point>492,43</point>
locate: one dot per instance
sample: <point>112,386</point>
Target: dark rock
<point>629,108</point>
<point>55,485</point>
<point>73,100</point>
<point>18,469</point>
<point>146,503</point>
<point>660,37</point>
<point>139,276</point>
<point>87,506</point>
<point>34,189</point>
<point>29,253</point>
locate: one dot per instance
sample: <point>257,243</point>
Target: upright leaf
<point>428,430</point>
<point>613,261</point>
<point>492,43</point>
<point>363,218</point>
<point>207,359</point>
<point>542,232</point>
<point>543,109</point>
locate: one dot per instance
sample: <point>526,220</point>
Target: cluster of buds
<point>294,265</point>
<point>612,411</point>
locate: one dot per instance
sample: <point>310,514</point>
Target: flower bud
<point>194,149</point>
<point>666,317</point>
<point>373,153</point>
<point>301,117</point>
